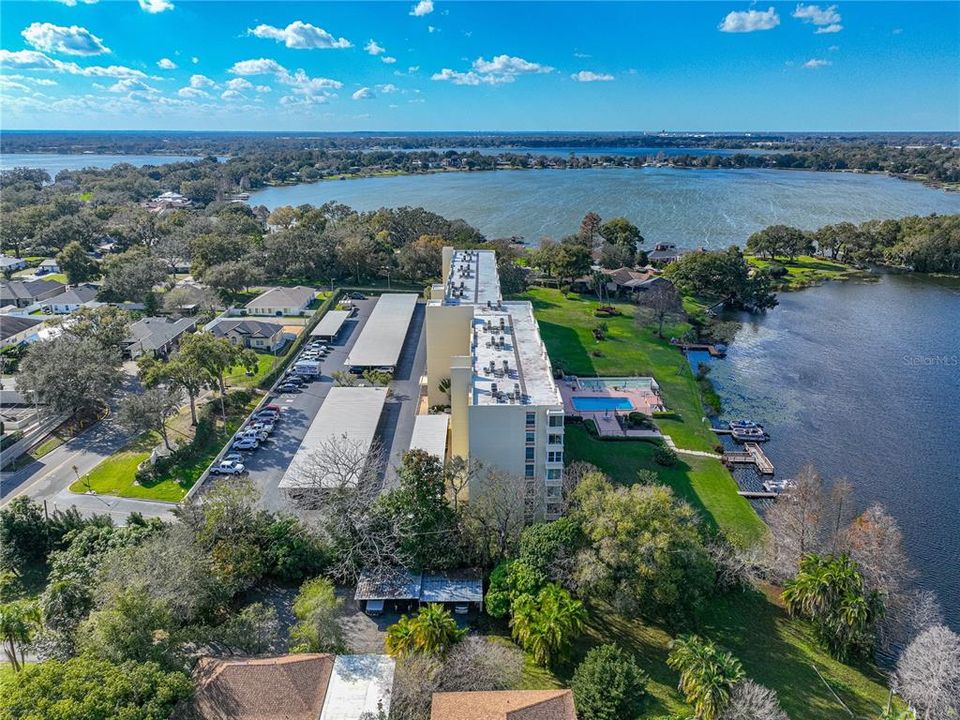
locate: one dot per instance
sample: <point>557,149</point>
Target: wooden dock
<point>757,494</point>
<point>722,431</point>
<point>712,349</point>
<point>752,454</point>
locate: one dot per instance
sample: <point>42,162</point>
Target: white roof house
<point>384,333</point>
<point>280,301</point>
<point>349,415</point>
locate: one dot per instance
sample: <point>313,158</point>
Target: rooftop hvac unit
<point>493,389</point>
<point>516,389</point>
<point>506,366</point>
<point>489,306</point>
<point>502,324</point>
<point>503,342</point>
<point>492,363</point>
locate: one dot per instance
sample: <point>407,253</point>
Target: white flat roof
<point>358,684</point>
<point>430,434</point>
<point>349,415</point>
<point>473,278</point>
<point>330,323</point>
<point>383,334</point>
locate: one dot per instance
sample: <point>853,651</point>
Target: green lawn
<point>704,483</point>
<point>807,270</point>
<point>239,378</point>
<point>566,325</point>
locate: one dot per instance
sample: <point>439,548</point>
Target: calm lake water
<point>692,208</point>
<point>54,163</point>
<point>863,381</point>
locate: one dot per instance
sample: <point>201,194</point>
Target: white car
<point>258,435</point>
<point>233,457</point>
<point>228,467</point>
<point>262,426</point>
<point>246,443</point>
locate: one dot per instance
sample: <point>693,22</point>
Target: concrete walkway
<point>698,453</point>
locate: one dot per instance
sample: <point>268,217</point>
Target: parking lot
<point>267,464</point>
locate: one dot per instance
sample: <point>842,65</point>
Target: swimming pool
<point>599,404</point>
<point>627,383</point>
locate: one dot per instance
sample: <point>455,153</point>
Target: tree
<point>508,581</point>
<point>70,374</point>
<point>617,256</point>
<point>660,301</point>
<point>232,277</point>
<point>107,324</point>
<point>498,510</point>
<point>426,524</point>
<point>620,231</point>
<point>570,260</point>
<point>215,355</point>
<point>778,240</point>
<point>928,674</point>
<point>546,624</point>
<point>874,542</point>
<point>149,410</point>
<point>644,552</point>
<point>316,608</point>
<point>283,217</point>
<point>750,701</point>
<point>707,674</point>
<point>85,688</point>
<point>433,630</point>
<point>589,228</point>
<point>795,521</point>
<point>421,260</point>
<point>19,621</point>
<point>24,535</point>
<point>135,626</point>
<point>724,275</point>
<point>215,249</point>
<point>76,264</point>
<point>131,275</point>
<point>830,593</point>
<point>550,548</point>
<point>608,685</point>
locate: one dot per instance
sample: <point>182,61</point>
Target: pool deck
<point>643,399</point>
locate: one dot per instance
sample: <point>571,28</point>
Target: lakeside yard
<point>807,270</point>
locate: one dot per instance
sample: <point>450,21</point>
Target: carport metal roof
<point>382,338</point>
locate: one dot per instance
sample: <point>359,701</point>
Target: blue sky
<point>176,64</point>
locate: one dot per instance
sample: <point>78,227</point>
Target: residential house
<point>21,293</point>
<point>622,281</point>
<point>18,330</point>
<point>11,264</point>
<point>279,301</point>
<point>663,254</point>
<point>504,705</point>
<point>308,686</point>
<point>253,334</point>
<point>47,266</point>
<point>168,201</point>
<point>156,336</point>
<point>72,299</point>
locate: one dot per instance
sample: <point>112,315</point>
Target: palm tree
<point>435,630</point>
<point>545,625</point>
<point>707,674</point>
<point>400,637</point>
<point>18,621</point>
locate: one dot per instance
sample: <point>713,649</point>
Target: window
<point>556,421</point>
<point>531,437</point>
<point>528,471</point>
<point>553,509</point>
<point>530,453</point>
<point>555,439</point>
<point>531,419</point>
<point>555,456</point>
<point>553,491</point>
<point>553,474</point>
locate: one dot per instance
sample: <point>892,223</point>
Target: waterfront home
<point>253,334</point>
<point>156,336</point>
<point>280,301</point>
<point>307,686</point>
<point>663,254</point>
<point>168,201</point>
<point>72,299</point>
<point>21,293</point>
<point>622,281</point>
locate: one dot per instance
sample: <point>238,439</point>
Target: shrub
<point>776,270</point>
<point>608,685</point>
<point>662,455</point>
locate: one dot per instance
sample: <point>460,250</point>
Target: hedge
<point>280,367</point>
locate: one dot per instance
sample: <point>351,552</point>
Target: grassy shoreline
<point>807,270</point>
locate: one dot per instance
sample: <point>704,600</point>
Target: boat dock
<point>722,431</point>
<point>757,495</point>
<point>752,454</point>
<point>712,349</point>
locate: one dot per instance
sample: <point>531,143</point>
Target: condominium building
<point>487,362</point>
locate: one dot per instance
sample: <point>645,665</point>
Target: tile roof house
<point>21,293</point>
<point>254,334</point>
<point>73,298</point>
<point>156,336</point>
<point>281,301</point>
<point>504,705</point>
<point>664,254</point>
<point>310,686</point>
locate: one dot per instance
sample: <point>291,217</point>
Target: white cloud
<point>201,81</point>
<point>388,59</point>
<point>750,21</point>
<point>264,89</point>
<point>166,64</point>
<point>498,70</point>
<point>582,55</point>
<point>826,19</point>
<point>424,7</point>
<point>363,93</point>
<point>374,48</point>
<point>302,84</point>
<point>131,85</point>
<point>816,63</point>
<point>194,60</point>
<point>300,36</point>
<point>388,88</point>
<point>191,92</point>
<point>590,76</point>
<point>33,60</point>
<point>73,3</point>
<point>239,84</point>
<point>231,95</point>
<point>73,40</point>
<point>260,66</point>
<point>432,29</point>
<point>155,6</point>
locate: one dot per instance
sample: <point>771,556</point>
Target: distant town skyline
<point>461,66</point>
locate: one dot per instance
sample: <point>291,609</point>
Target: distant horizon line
<point>655,133</point>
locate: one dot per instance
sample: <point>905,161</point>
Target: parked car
<point>250,432</point>
<point>267,416</point>
<point>294,378</point>
<point>263,426</point>
<point>289,387</point>
<point>233,457</point>
<point>356,296</point>
<point>228,467</point>
<point>271,408</point>
<point>246,443</point>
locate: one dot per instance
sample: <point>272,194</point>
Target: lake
<point>689,207</point>
<point>54,163</point>
<point>863,380</point>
